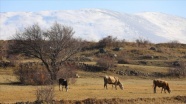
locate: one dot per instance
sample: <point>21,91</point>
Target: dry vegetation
<point>144,57</point>
<point>87,87</point>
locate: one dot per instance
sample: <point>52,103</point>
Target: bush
<point>146,57</point>
<point>142,42</point>
<point>123,58</point>
<point>173,44</point>
<point>123,61</point>
<point>110,41</point>
<point>89,45</point>
<point>106,62</point>
<point>45,95</point>
<point>32,74</point>
<point>179,71</point>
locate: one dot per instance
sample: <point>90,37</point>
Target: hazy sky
<point>174,7</point>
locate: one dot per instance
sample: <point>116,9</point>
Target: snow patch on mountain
<point>94,24</point>
<point>173,27</point>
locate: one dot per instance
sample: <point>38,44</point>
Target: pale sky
<point>173,7</point>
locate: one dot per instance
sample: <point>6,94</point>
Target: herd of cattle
<point>107,79</point>
<point>116,82</point>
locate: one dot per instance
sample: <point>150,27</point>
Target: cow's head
<point>168,88</point>
<point>121,86</point>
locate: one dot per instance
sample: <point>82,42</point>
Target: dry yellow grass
<point>93,88</point>
<point>146,68</point>
<point>14,93</point>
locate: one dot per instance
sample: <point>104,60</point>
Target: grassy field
<point>90,87</point>
<point>90,84</point>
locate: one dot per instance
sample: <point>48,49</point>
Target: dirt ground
<point>91,90</point>
<point>164,100</point>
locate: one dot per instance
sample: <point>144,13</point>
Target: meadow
<point>90,87</point>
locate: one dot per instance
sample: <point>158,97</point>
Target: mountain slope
<point>174,26</point>
<point>94,24</point>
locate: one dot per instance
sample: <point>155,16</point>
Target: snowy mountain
<point>94,24</point>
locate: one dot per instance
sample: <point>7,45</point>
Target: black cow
<point>63,82</point>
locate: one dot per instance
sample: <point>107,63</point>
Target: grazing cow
<point>161,83</point>
<point>63,82</point>
<point>112,80</point>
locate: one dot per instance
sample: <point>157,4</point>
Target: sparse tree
<point>53,46</point>
<point>142,42</point>
<point>106,42</point>
<point>173,44</point>
<point>110,41</point>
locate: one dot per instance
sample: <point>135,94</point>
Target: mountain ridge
<point>94,24</point>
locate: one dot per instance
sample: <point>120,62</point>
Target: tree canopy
<point>52,46</point>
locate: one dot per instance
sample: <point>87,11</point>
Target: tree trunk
<point>54,72</point>
<point>53,76</point>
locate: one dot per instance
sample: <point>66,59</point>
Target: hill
<point>94,24</point>
<point>136,64</point>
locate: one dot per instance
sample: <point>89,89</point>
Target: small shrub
<point>110,41</point>
<point>45,95</point>
<point>123,61</point>
<point>179,71</point>
<point>87,45</point>
<point>124,58</point>
<point>106,62</point>
<point>146,57</point>
<point>173,44</point>
<point>32,74</point>
<point>118,49</point>
<point>142,42</point>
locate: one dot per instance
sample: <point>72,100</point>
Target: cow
<point>112,80</point>
<point>161,83</point>
<point>63,82</point>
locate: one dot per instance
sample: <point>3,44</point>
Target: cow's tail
<point>59,84</point>
<point>153,84</point>
<point>105,78</point>
<point>105,81</point>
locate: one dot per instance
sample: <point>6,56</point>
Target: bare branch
<point>52,47</point>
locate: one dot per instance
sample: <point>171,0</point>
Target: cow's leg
<point>66,87</point>
<point>154,89</point>
<point>162,89</point>
<point>59,87</point>
<point>116,86</point>
<point>105,85</point>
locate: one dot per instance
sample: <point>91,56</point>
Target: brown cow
<point>112,80</point>
<point>161,83</point>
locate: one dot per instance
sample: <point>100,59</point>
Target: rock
<point>153,48</point>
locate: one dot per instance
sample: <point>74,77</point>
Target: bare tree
<point>106,42</point>
<point>110,41</point>
<point>52,47</point>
